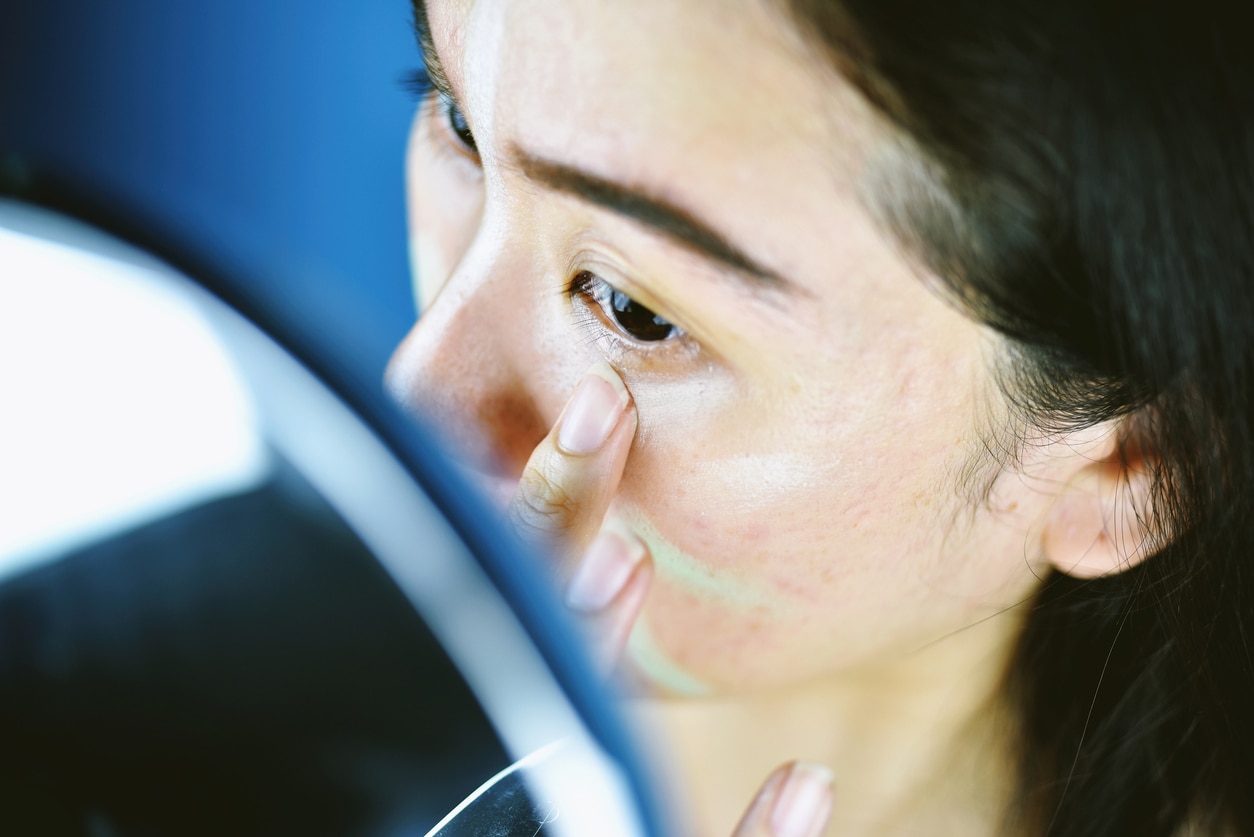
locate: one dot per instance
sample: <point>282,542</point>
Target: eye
<point>457,125</point>
<point>633,319</point>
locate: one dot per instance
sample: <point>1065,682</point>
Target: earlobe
<point>1101,521</point>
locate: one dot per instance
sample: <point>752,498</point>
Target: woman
<point>910,354</point>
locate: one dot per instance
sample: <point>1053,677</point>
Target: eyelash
<point>417,83</point>
<point>600,301</point>
<point>599,310</point>
<point>452,121</point>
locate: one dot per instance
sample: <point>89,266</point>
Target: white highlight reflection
<point>120,406</point>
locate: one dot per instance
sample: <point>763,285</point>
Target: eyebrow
<point>657,213</point>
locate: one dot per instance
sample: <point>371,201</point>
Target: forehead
<point>716,104</point>
<point>650,73</point>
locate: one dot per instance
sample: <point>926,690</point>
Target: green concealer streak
<point>676,567</point>
<point>659,669</point>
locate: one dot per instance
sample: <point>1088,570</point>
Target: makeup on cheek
<point>676,567</point>
<point>655,667</point>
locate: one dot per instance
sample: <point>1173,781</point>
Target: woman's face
<point>806,406</point>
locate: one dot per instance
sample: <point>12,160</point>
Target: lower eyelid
<point>593,332</point>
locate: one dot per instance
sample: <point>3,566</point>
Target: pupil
<point>638,321</point>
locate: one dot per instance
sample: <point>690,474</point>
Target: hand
<point>562,499</point>
<point>561,504</point>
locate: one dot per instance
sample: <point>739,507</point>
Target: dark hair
<point>1095,165</point>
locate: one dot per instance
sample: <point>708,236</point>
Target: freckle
<point>1013,505</point>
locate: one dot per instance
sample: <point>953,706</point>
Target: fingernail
<point>804,802</point>
<point>606,567</point>
<point>593,411</point>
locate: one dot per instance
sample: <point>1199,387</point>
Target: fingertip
<point>756,820</point>
<point>803,803</point>
<point>601,575</point>
<point>609,566</point>
<point>606,372</point>
<point>794,801</point>
<point>610,375</point>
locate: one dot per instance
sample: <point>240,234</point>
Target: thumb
<point>795,801</point>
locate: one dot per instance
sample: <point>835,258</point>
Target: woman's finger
<point>608,590</point>
<point>572,475</point>
<point>795,801</point>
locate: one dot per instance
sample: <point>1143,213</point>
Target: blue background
<point>273,132</point>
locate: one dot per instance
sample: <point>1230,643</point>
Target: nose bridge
<point>464,363</point>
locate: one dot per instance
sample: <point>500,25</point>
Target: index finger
<point>572,475</point>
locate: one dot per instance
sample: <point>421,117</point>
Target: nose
<point>472,365</point>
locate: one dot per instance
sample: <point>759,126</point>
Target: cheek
<point>829,529</point>
<point>753,507</point>
<point>737,532</point>
<point>741,545</point>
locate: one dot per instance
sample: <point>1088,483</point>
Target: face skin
<point>797,468</point>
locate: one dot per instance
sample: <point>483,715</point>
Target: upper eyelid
<point>622,282</point>
<point>628,290</point>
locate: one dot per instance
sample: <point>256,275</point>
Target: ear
<point>1101,521</point>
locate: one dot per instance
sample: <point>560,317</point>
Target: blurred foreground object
<point>228,606</point>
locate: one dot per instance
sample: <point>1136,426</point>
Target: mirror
<point>228,606</point>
